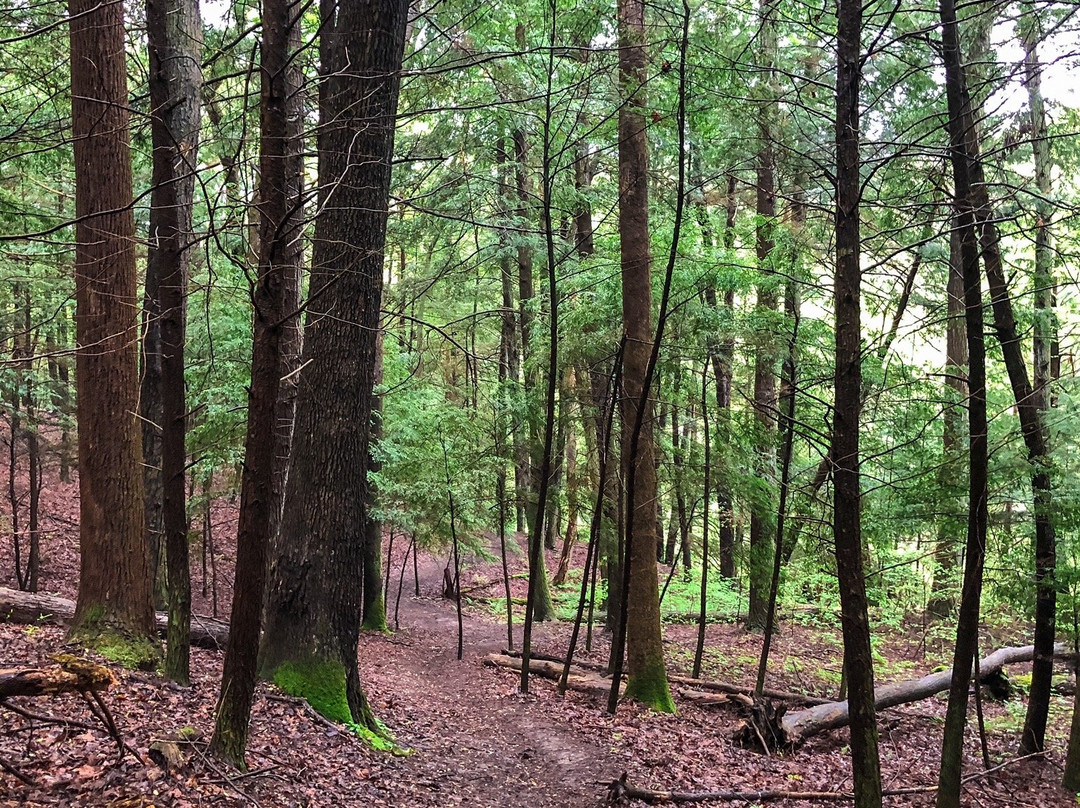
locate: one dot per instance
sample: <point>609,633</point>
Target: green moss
<point>650,687</point>
<point>134,653</point>
<point>321,683</point>
<point>376,617</point>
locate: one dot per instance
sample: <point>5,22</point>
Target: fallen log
<point>692,686</point>
<point>72,675</point>
<point>795,727</point>
<point>35,607</point>
<point>579,680</point>
<point>724,687</point>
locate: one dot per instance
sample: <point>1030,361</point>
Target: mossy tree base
<point>324,685</point>
<point>375,619</point>
<point>650,688</point>
<point>133,651</point>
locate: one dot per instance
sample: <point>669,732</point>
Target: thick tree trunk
<point>253,539</point>
<point>114,579</point>
<point>645,653</point>
<point>847,495</point>
<point>174,39</point>
<point>314,611</point>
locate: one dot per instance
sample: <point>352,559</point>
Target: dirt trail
<point>477,741</point>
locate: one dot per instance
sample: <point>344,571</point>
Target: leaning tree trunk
<point>114,570</point>
<point>847,495</point>
<point>174,39</point>
<point>960,124</point>
<point>314,606</point>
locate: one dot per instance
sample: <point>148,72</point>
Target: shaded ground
<point>476,741</point>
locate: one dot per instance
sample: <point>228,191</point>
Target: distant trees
<point>114,610</point>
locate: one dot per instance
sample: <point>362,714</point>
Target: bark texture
<point>644,649</point>
<point>314,607</point>
<point>847,497</point>
<point>174,36</point>
<point>114,582</point>
<point>277,230</point>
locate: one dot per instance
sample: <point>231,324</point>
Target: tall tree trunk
<point>114,571</point>
<point>174,39</point>
<point>960,124</point>
<point>525,482</point>
<point>763,511</point>
<point>943,585</point>
<point>313,616</point>
<point>1044,339</point>
<point>292,268</point>
<point>847,496</point>
<point>647,681</point>
<point>277,230</point>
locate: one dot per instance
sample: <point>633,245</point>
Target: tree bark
<point>174,40</point>
<point>847,495</point>
<point>253,539</point>
<point>961,123</point>
<point>645,653</point>
<point>114,579</point>
<point>314,611</point>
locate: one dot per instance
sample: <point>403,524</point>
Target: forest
<point>539,402</point>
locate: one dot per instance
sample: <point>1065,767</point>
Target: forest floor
<point>474,740</point>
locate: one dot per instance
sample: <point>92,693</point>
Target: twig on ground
<point>14,772</point>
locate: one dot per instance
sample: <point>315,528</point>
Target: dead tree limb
<point>579,680</point>
<point>35,607</point>
<point>74,677</point>
<point>795,727</point>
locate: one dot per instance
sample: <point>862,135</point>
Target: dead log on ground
<point>35,607</point>
<point>795,727</point>
<point>579,680</point>
<point>692,687</point>
<point>72,675</point>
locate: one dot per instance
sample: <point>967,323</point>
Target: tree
<point>174,38</point>
<point>960,123</point>
<point>647,680</point>
<point>279,228</point>
<point>314,607</point>
<point>847,493</point>
<point>114,611</point>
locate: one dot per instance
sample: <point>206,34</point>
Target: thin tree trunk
<point>960,123</point>
<point>174,39</point>
<point>256,495</point>
<point>762,514</point>
<point>847,496</point>
<point>943,585</point>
